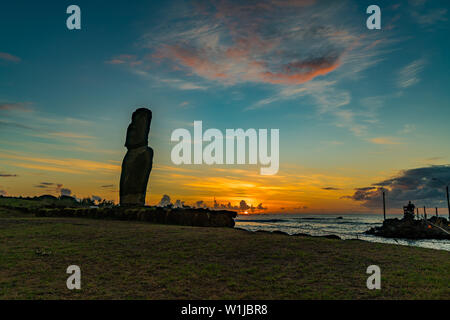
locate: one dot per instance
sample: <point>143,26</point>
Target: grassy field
<point>136,260</point>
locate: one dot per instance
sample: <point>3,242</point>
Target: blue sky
<point>354,106</point>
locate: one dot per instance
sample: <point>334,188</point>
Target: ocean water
<point>350,226</point>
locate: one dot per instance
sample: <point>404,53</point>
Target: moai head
<point>137,133</point>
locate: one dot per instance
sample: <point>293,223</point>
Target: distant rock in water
<point>138,161</point>
<point>433,228</point>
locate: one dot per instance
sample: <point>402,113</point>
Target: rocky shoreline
<point>433,228</point>
<point>328,236</point>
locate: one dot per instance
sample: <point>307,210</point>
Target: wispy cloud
<point>232,42</point>
<point>409,75</point>
<point>16,125</point>
<point>431,17</point>
<point>57,188</point>
<point>70,135</point>
<point>417,3</point>
<point>21,115</point>
<point>66,165</point>
<point>408,128</point>
<point>108,186</point>
<point>15,106</point>
<point>385,140</point>
<point>183,85</point>
<point>125,59</point>
<point>6,175</point>
<point>346,118</point>
<point>294,49</point>
<point>9,57</point>
<point>324,93</point>
<point>428,18</point>
<point>65,121</point>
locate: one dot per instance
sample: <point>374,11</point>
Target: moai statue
<point>137,164</point>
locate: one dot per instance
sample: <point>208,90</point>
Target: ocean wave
<point>317,218</point>
<point>262,221</point>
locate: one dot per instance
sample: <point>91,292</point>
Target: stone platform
<point>184,217</point>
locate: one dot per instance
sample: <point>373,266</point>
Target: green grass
<point>135,260</point>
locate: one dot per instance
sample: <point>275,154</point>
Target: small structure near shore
<point>408,211</point>
<point>410,228</point>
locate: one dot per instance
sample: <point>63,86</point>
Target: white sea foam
<point>350,226</point>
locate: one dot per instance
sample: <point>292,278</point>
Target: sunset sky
<point>357,109</point>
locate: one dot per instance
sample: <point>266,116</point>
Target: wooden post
<point>424,212</point>
<point>437,214</point>
<point>417,209</point>
<point>384,206</point>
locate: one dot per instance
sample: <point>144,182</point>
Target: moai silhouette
<point>138,161</point>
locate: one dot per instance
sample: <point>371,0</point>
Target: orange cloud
<point>75,166</point>
<point>24,107</point>
<point>127,59</point>
<point>70,135</point>
<point>384,140</point>
<point>197,61</point>
<point>44,168</point>
<point>253,42</point>
<point>236,63</point>
<point>307,71</point>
